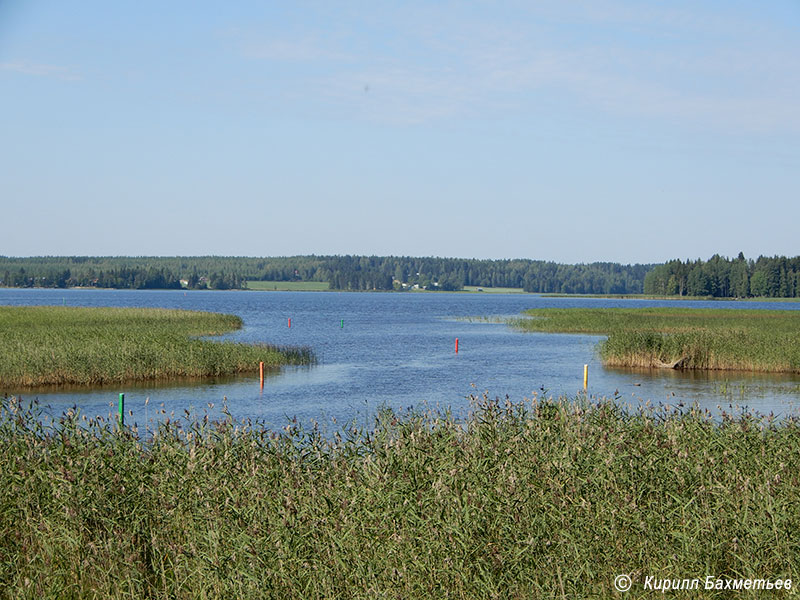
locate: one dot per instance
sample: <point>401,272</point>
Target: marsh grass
<point>710,339</point>
<point>493,290</point>
<point>289,286</point>
<point>537,499</point>
<point>482,319</point>
<point>47,345</point>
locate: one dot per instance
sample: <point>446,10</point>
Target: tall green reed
<point>65,345</point>
<point>534,499</point>
<point>712,339</point>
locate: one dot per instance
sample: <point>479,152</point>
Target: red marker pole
<point>290,322</point>
<point>261,373</point>
<point>456,345</point>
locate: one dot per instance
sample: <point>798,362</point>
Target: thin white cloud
<point>41,70</point>
<point>291,50</point>
<point>702,69</point>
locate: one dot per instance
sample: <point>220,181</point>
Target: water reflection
<point>77,391</point>
<point>777,393</point>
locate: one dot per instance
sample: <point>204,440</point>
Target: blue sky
<point>568,131</point>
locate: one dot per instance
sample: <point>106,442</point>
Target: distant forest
<point>717,277</point>
<point>341,272</point>
<point>775,277</point>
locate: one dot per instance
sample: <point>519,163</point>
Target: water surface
<point>397,349</point>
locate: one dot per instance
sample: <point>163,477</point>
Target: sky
<point>580,131</point>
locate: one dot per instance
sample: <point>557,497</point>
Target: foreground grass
<point>289,286</point>
<point>724,339</point>
<point>524,500</point>
<point>41,345</point>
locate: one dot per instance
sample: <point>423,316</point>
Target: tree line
<point>341,272</point>
<point>119,273</point>
<point>393,272</point>
<point>720,277</point>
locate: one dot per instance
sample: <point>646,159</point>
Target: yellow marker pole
<point>585,377</point>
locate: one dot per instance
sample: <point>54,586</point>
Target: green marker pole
<point>342,323</point>
<point>122,410</point>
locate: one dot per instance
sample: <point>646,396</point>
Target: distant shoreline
<point>314,286</point>
<point>466,290</point>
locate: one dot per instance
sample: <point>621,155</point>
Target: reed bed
<point>46,345</point>
<point>686,338</point>
<point>533,499</point>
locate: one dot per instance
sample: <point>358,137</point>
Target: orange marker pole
<point>261,373</point>
<point>456,345</point>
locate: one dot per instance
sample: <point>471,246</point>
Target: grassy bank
<point>43,345</point>
<point>634,297</point>
<point>493,290</point>
<point>289,286</point>
<point>672,297</point>
<point>527,500</point>
<point>725,339</point>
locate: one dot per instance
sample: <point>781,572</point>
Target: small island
<point>682,338</point>
<point>54,345</point>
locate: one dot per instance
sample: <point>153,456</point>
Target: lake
<point>398,350</point>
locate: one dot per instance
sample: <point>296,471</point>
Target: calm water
<point>398,350</point>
